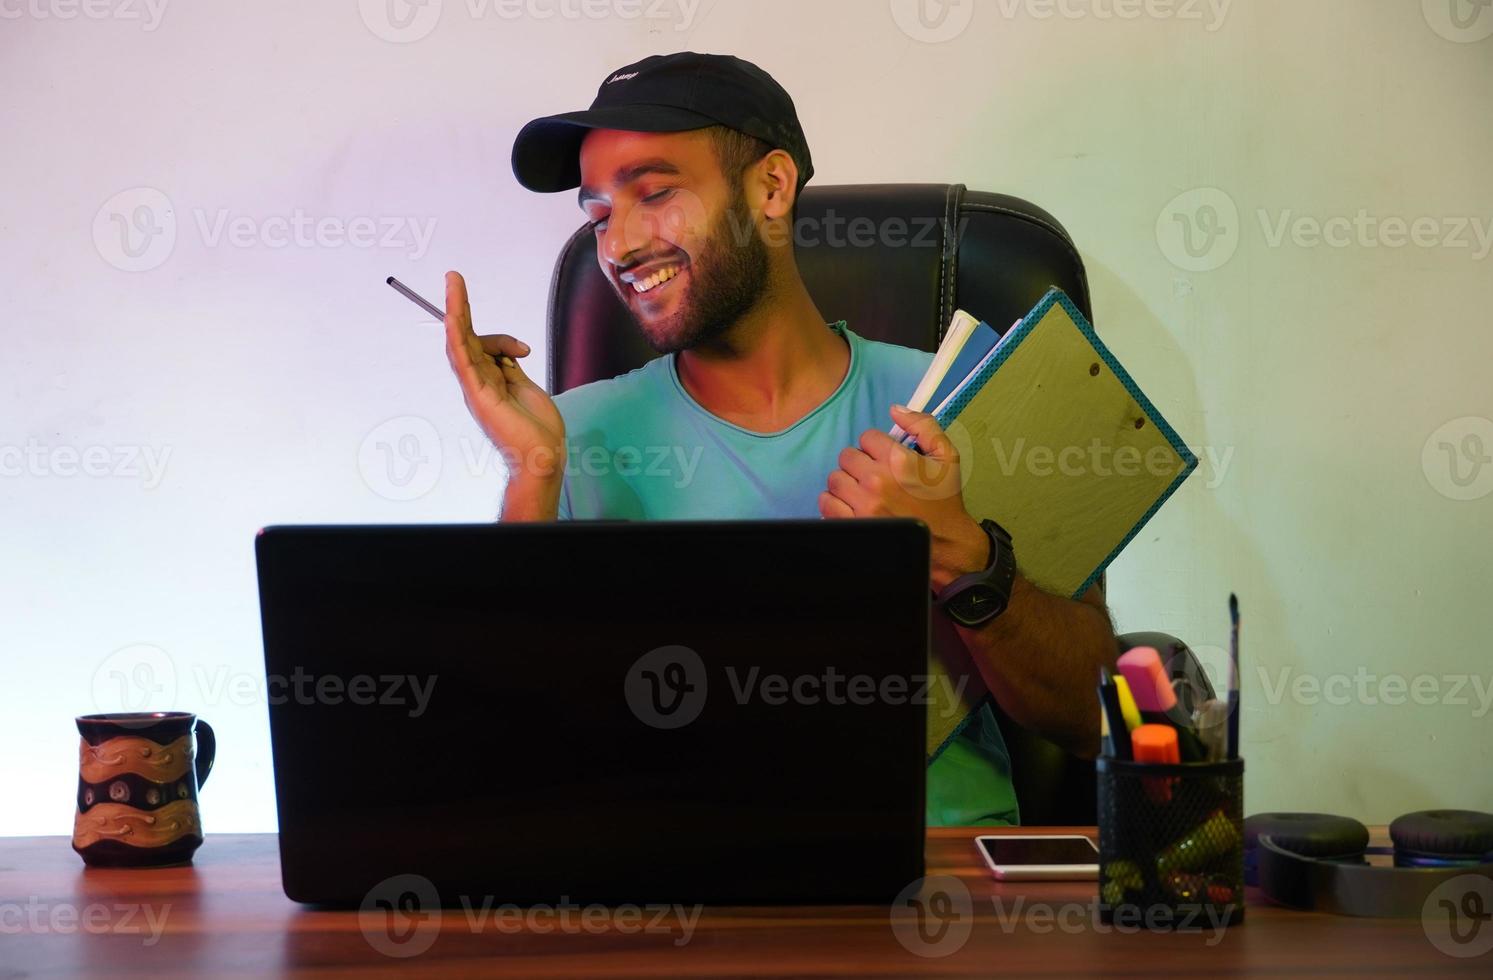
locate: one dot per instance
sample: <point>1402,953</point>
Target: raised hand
<point>515,413</point>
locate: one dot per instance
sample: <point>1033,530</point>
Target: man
<point>689,169</point>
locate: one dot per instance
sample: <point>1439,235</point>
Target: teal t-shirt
<point>641,448</point>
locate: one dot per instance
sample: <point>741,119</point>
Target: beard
<point>726,280</point>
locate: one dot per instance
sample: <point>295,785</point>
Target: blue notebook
<point>970,355</point>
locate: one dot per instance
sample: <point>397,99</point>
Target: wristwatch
<point>979,597</point>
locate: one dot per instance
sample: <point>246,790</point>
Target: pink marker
<point>1152,690</point>
<point>1149,685</point>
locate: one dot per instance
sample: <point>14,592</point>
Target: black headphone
<point>1317,861</point>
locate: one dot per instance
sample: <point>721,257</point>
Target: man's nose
<point>623,238</point>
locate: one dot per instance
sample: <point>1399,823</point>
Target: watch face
<point>977,602</point>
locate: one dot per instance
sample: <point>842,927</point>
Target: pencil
<point>439,314</point>
<point>417,299</point>
<point>1235,682</point>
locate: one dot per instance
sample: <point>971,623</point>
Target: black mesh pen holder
<point>1171,843</point>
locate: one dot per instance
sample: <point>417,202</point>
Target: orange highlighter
<point>1157,744</point>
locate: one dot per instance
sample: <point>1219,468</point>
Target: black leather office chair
<point>895,261</point>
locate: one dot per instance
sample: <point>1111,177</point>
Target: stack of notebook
<point>1057,442</point>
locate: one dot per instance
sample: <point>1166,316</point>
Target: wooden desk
<point>226,916</point>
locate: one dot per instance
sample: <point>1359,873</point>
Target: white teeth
<point>662,275</point>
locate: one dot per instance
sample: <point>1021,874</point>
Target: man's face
<point>674,237</point>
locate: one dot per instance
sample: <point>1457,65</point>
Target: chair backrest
<point>895,261</point>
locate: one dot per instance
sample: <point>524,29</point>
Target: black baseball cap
<point>664,93</point>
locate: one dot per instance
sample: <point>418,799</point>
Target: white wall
<point>258,374</point>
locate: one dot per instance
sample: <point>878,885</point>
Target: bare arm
<point>1040,657</point>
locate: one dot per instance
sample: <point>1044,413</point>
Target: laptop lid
<point>715,712</point>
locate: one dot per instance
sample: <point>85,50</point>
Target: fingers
<point>513,372</point>
<point>930,437</point>
<point>857,464</point>
<point>461,363</point>
<point>831,506</point>
<point>499,344</point>
<point>458,319</point>
<point>857,498</point>
<point>459,332</point>
<point>463,349</point>
<point>458,311</point>
<point>879,445</point>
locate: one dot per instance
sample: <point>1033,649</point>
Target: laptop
<point>717,712</point>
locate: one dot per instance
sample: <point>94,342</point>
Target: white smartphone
<point>1039,857</point>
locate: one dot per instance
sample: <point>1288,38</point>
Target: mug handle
<point>207,750</point>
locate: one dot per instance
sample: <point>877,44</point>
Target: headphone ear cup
<point>1314,835</point>
<point>1434,836</point>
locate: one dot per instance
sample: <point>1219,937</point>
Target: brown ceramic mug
<point>138,777</point>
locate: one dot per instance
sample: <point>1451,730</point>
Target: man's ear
<point>778,177</point>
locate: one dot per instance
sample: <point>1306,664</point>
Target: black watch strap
<point>979,597</point>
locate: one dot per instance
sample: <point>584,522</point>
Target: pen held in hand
<point>435,311</point>
<point>417,299</point>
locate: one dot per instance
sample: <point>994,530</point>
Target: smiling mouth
<point>657,282</point>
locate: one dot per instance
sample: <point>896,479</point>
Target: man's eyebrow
<point>629,173</point>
